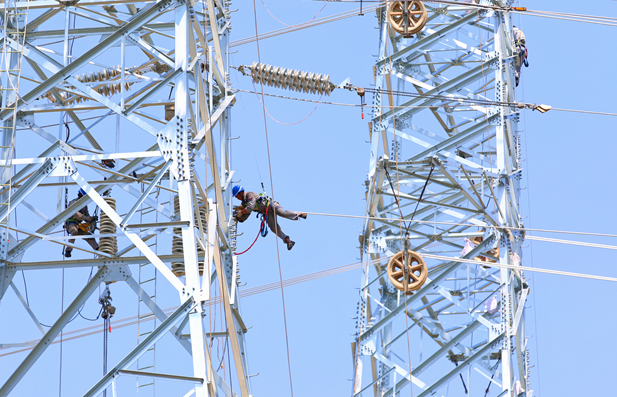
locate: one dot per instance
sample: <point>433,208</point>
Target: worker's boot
<point>67,253</point>
<point>302,215</point>
<point>290,244</point>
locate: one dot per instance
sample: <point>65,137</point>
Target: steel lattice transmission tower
<point>464,329</point>
<point>119,60</point>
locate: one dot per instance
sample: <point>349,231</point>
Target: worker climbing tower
<point>442,303</point>
<point>127,101</point>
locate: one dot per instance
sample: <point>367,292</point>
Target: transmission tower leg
<point>461,161</point>
<point>55,329</point>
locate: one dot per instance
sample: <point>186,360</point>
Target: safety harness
<point>524,52</point>
<point>263,199</point>
<point>263,229</point>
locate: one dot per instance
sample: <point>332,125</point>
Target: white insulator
<point>312,83</point>
<point>286,78</point>
<point>108,245</point>
<point>304,81</point>
<point>274,77</point>
<point>325,85</point>
<point>101,75</point>
<point>177,246</point>
<point>296,80</point>
<point>317,83</point>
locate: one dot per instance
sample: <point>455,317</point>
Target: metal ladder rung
<point>145,333</point>
<point>147,281</point>
<point>148,367</point>
<point>146,316</point>
<point>147,384</point>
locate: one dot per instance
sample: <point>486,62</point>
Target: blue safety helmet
<point>237,189</point>
<point>81,192</point>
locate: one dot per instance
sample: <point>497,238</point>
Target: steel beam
<point>44,343</point>
<point>142,347</point>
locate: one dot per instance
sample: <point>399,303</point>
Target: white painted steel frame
<point>466,159</point>
<point>200,104</point>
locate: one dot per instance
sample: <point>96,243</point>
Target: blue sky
<point>320,164</point>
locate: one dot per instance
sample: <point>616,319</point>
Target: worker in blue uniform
<point>254,202</point>
<point>75,227</point>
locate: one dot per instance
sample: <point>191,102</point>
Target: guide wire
<point>310,277</point>
<point>311,20</point>
<point>275,222</point>
<point>462,100</point>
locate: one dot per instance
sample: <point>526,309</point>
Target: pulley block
<point>407,271</point>
<point>494,252</point>
<point>407,17</point>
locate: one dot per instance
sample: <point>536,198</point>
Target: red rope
<point>258,233</point>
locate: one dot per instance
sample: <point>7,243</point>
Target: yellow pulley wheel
<point>417,272</point>
<point>407,17</point>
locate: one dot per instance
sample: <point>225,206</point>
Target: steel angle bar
<point>457,139</point>
<point>429,40</point>
<point>158,312</point>
<point>153,89</point>
<point>385,373</point>
<point>146,192</point>
<point>35,210</point>
<point>150,49</point>
<point>77,263</point>
<point>88,157</point>
<point>450,268</point>
<point>27,187</point>
<point>148,13</point>
<point>45,342</point>
<point>29,241</point>
<point>27,307</point>
<point>134,237</point>
<point>24,171</point>
<point>446,294</point>
<point>113,106</point>
<point>52,139</point>
<point>231,323</point>
<point>229,100</point>
<point>161,376</point>
<point>400,370</point>
<point>147,343</point>
<point>426,98</point>
<point>6,277</point>
<point>519,311</point>
<point>461,367</point>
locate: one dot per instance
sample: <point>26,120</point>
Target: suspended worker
<point>521,57</point>
<point>75,227</point>
<point>258,203</point>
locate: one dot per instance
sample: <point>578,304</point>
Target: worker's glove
<point>241,217</point>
